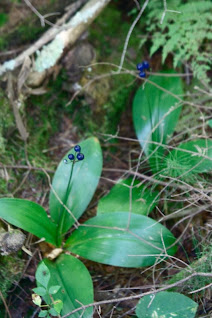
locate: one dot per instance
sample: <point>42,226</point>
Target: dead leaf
<point>24,73</point>
<point>14,103</point>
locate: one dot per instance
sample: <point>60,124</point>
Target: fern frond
<point>187,34</point>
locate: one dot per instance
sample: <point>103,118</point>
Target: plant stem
<point>63,212</point>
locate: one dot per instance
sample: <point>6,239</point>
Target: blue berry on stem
<point>145,64</point>
<point>80,156</point>
<point>142,74</point>
<point>77,148</point>
<point>140,67</point>
<point>71,156</point>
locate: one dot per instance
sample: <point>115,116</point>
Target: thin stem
<point>129,34</point>
<point>62,212</point>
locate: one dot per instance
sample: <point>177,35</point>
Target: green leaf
<point>209,122</point>
<point>42,275</point>
<point>104,239</point>
<point>76,284</point>
<point>58,305</point>
<point>43,313</point>
<point>189,157</point>
<point>40,291</point>
<point>28,216</point>
<point>118,199</point>
<point>3,18</point>
<point>83,184</point>
<point>54,289</point>
<point>53,312</point>
<point>166,305</point>
<point>155,115</point>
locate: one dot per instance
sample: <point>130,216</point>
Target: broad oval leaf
<point>155,115</point>
<point>41,291</point>
<point>104,239</point>
<point>54,289</point>
<point>142,199</point>
<point>85,178</point>
<point>190,157</point>
<point>43,313</point>
<point>209,122</point>
<point>166,305</point>
<point>76,285</point>
<point>28,216</point>
<point>43,275</point>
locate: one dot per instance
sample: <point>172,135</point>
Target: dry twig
<point>110,301</point>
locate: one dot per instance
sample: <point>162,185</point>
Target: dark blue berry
<point>65,161</point>
<point>145,64</point>
<point>70,156</point>
<point>80,156</point>
<point>140,67</point>
<point>77,148</point>
<point>142,74</point>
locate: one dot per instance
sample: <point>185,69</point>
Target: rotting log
<point>50,47</point>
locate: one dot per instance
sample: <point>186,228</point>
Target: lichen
<point>83,17</point>
<point>52,52</point>
<point>49,54</point>
<point>7,66</point>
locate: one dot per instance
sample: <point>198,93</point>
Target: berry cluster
<point>141,67</point>
<point>78,154</point>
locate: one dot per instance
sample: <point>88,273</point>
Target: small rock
<point>76,59</point>
<point>11,242</point>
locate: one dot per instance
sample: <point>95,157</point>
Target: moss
<point>26,32</point>
<point>202,265</point>
<point>44,120</point>
<point>103,114</point>
<point>6,119</point>
<point>3,44</point>
<point>11,268</point>
<point>29,31</point>
<point>46,115</point>
<point>110,29</point>
<point>28,28</point>
<point>119,98</point>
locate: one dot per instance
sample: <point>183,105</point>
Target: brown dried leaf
<point>24,73</point>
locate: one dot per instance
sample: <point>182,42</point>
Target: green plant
<point>166,305</point>
<point>11,268</point>
<point>119,239</point>
<point>3,19</point>
<point>53,307</point>
<point>156,110</point>
<point>6,119</point>
<point>143,200</point>
<point>203,264</point>
<point>186,34</point>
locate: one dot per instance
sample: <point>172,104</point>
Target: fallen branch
<point>60,36</point>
